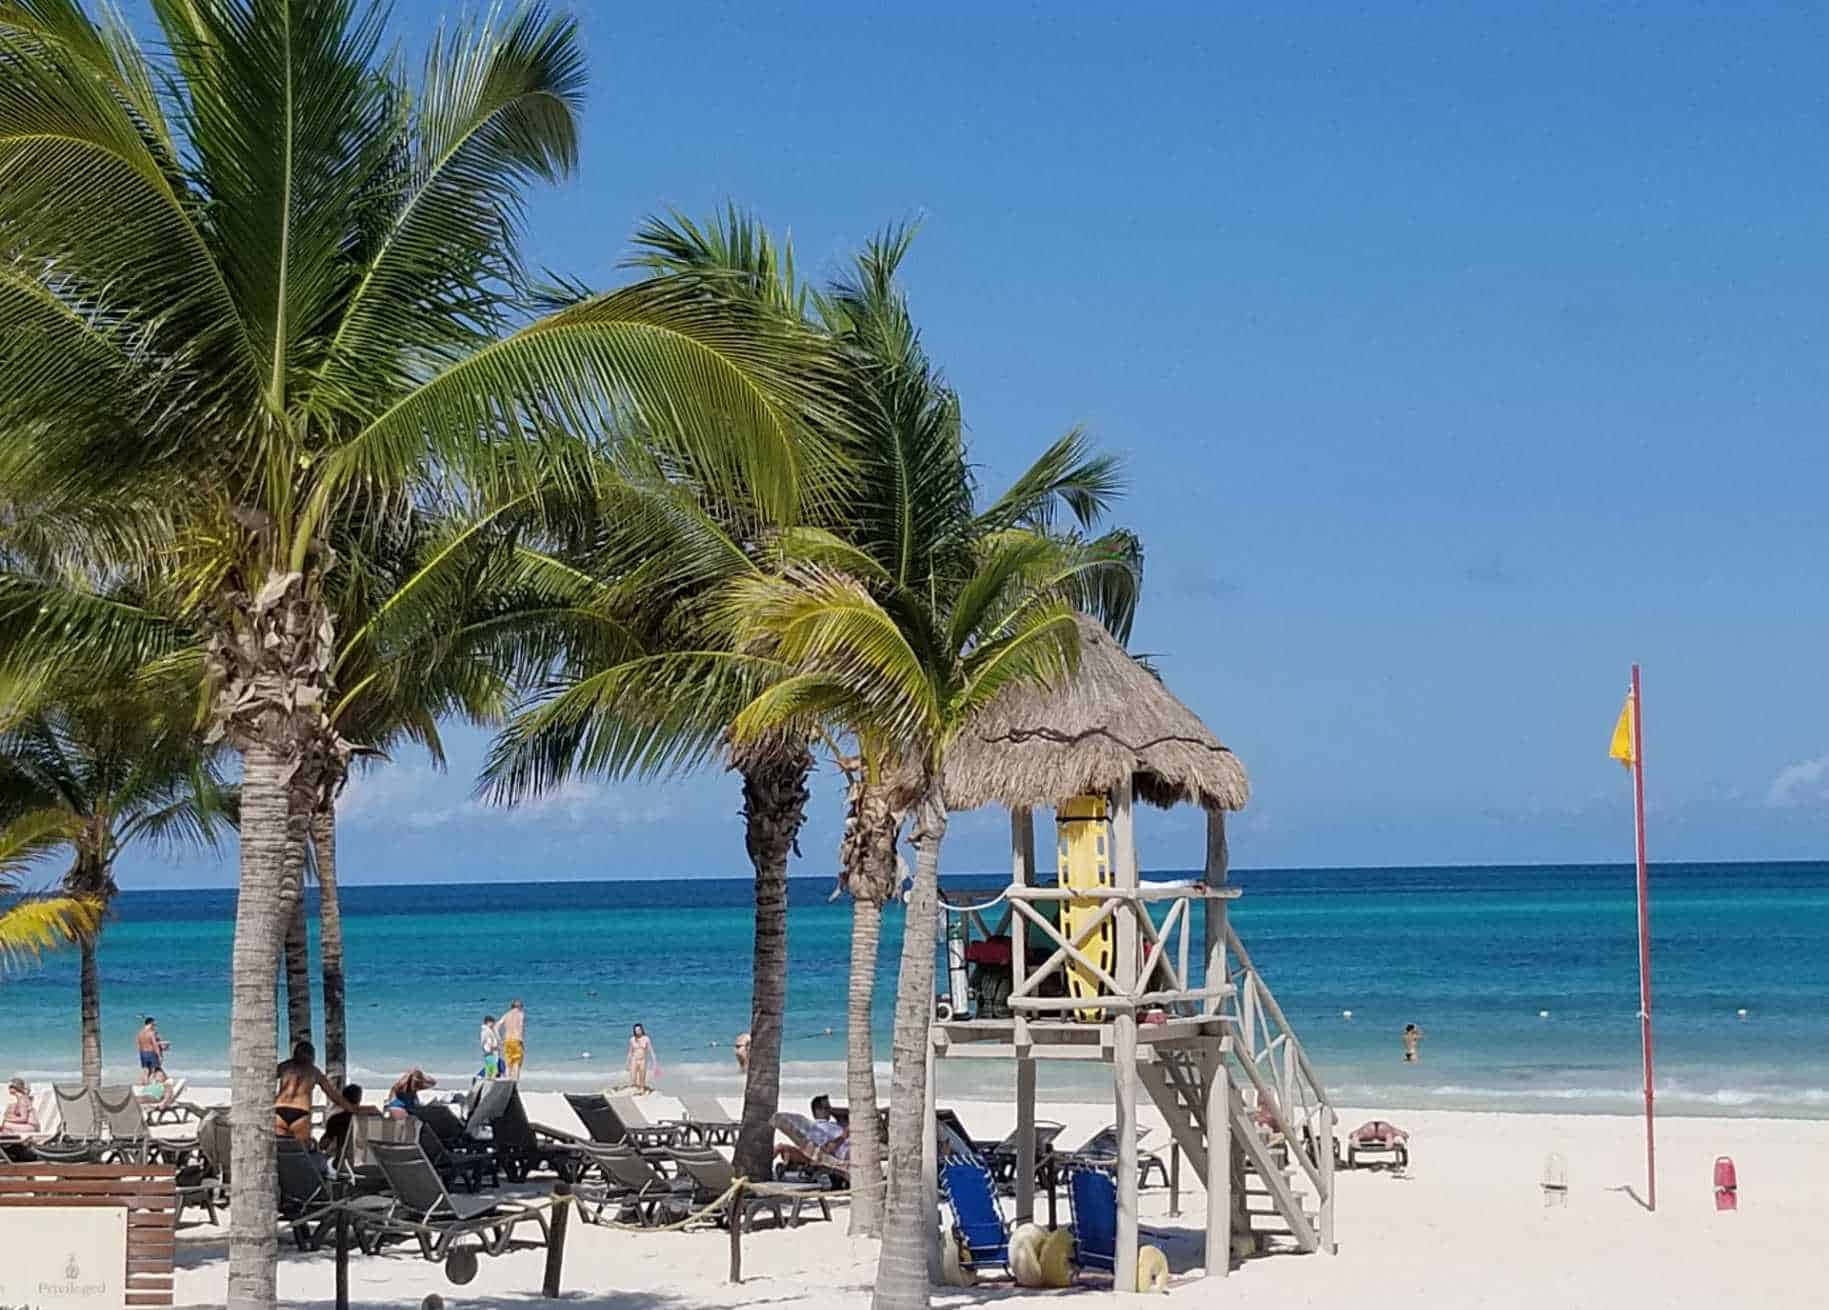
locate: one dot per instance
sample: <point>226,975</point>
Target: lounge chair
<point>172,1108</point>
<point>213,1145</point>
<point>604,1125</point>
<point>708,1121</point>
<point>310,1198</point>
<point>979,1232</point>
<point>79,1117</point>
<point>712,1177</point>
<point>635,1120</point>
<point>519,1146</point>
<point>953,1124</point>
<point>129,1135</point>
<point>1095,1219</point>
<point>616,1174</point>
<point>1377,1137</point>
<point>835,1166</point>
<point>1101,1152</point>
<point>440,1223</point>
<point>201,1181</point>
<point>453,1154</point>
<point>999,1156</point>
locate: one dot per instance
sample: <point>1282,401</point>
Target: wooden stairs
<point>1280,1123</point>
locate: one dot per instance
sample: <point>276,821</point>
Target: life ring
<point>1152,1269</point>
<point>953,1269</point>
<point>1057,1259</point>
<point>1026,1244</point>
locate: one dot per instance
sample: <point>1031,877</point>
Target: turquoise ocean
<point>1473,955</point>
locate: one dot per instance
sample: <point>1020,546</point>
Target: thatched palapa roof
<point>1036,748</point>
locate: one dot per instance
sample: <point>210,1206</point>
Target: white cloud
<point>1803,783</point>
<point>420,798</point>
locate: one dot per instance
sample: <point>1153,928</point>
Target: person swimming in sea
<point>292,1101</point>
<point>1413,1039</point>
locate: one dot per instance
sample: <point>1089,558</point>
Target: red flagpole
<point>1644,932</point>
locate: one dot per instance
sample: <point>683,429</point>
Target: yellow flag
<point>1621,749</point>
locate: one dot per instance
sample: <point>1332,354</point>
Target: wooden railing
<point>1149,969</point>
<point>1290,1097</point>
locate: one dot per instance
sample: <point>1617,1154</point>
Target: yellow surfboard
<point>1083,827</point>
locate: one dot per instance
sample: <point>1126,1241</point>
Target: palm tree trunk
<point>774,807</point>
<point>91,877</point>
<point>909,1234</point>
<point>298,975</point>
<point>260,918</point>
<point>860,1071</point>
<point>92,1016</point>
<point>330,943</point>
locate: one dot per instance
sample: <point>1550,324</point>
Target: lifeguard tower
<point>1147,977</point>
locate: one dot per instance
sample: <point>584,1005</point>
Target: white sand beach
<point>1464,1226</point>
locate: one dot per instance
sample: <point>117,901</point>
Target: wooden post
<point>555,1242</point>
<point>1025,1138</point>
<point>930,1169</point>
<point>1124,1037</point>
<point>1219,1169</point>
<point>736,1237</point>
<point>342,1259</point>
<point>1124,1074</point>
<point>1326,1149</point>
<point>1174,1179</point>
<point>1022,874</point>
<point>1218,866</point>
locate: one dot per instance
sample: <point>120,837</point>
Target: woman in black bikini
<point>292,1102</point>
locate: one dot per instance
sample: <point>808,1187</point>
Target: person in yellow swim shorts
<point>513,1029</point>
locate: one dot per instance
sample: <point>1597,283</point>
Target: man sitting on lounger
<point>824,1135</point>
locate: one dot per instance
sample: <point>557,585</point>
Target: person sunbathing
<point>1377,1132</point>
<point>403,1097</point>
<point>823,1134</point>
<point>158,1091</point>
<point>21,1117</point>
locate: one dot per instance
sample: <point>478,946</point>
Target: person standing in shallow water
<point>641,1059</point>
<point>1413,1040</point>
<point>513,1031</point>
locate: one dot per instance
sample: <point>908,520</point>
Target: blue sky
<point>1461,357</point>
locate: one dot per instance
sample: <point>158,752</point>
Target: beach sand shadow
<point>455,1299</point>
<point>1633,1192</point>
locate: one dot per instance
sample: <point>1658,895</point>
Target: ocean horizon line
<point>1567,866</point>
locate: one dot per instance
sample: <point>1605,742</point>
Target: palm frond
<point>1071,473</point>
<point>497,108</point>
<point>31,925</point>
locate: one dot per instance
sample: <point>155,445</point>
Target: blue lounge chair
<point>978,1226</point>
<point>1095,1219</point>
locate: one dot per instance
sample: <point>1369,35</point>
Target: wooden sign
<point>63,1258</point>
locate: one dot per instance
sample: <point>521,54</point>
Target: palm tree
<point>652,694</point>
<point>901,640</point>
<point>308,304</point>
<point>444,620</point>
<point>96,773</point>
<point>908,510</point>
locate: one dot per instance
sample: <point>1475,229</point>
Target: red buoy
<point>1727,1186</point>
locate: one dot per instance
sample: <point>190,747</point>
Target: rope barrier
<point>952,908</point>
